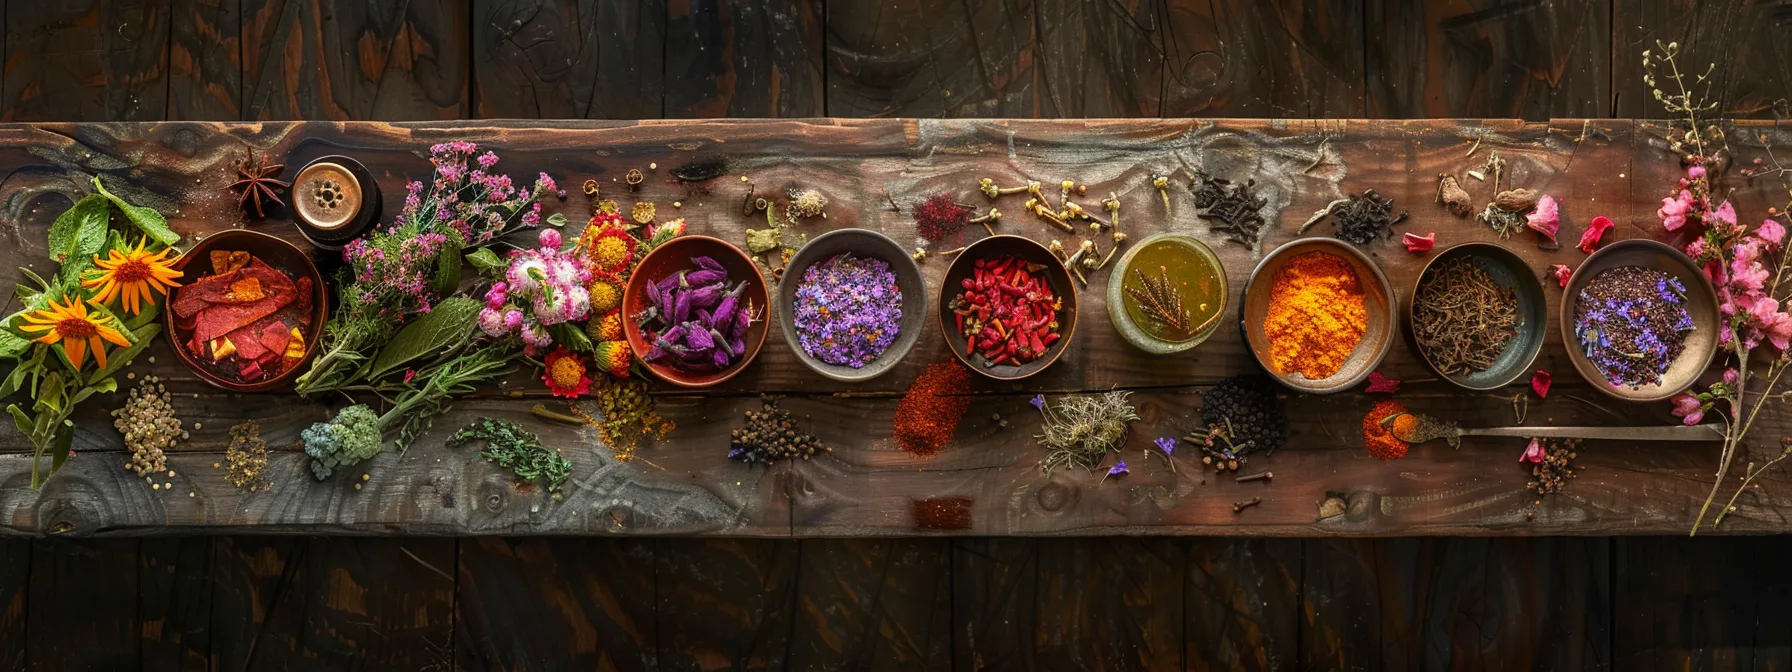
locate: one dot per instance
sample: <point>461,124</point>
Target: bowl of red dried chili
<point>1007,307</point>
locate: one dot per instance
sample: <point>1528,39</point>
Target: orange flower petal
<point>99,351</point>
<point>76,349</point>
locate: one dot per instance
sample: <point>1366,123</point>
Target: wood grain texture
<point>1744,39</point>
<point>744,58</point>
<point>544,604</point>
<point>1468,58</point>
<point>1673,611</point>
<point>873,604</point>
<point>550,59</point>
<point>175,602</point>
<point>1242,604</point>
<point>88,60</point>
<point>354,59</point>
<point>1242,58</point>
<point>726,603</point>
<point>205,61</point>
<point>89,587</point>
<point>15,586</point>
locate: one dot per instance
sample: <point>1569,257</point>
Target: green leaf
<point>556,220</point>
<point>447,277</point>
<point>41,282</point>
<point>149,221</point>
<point>49,394</point>
<point>150,311</point>
<point>20,419</point>
<point>106,386</point>
<point>12,346</point>
<point>59,449</point>
<point>140,339</point>
<point>573,337</point>
<point>484,259</point>
<point>451,321</point>
<point>80,230</point>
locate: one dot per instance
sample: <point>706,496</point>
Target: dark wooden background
<point>1193,603</point>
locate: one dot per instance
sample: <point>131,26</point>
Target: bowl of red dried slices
<point>249,310</point>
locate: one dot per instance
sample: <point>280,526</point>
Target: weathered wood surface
<point>867,486</point>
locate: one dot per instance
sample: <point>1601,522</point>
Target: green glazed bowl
<point>1130,329</point>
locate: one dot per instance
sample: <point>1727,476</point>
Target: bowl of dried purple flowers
<point>697,310</point>
<point>851,304</point>
<point>1640,320</point>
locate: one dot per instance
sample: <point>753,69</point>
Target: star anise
<point>256,180</point>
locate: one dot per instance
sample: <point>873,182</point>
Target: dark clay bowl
<point>673,257</point>
<point>1701,304</point>
<point>1378,300</point>
<point>1510,271</point>
<point>995,247</point>
<point>862,243</point>
<point>284,257</point>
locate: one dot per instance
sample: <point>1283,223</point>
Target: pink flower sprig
<point>542,287</point>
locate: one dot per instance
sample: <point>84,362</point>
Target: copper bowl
<point>1701,304</point>
<point>675,256</point>
<point>1056,276</point>
<point>284,257</point>
<point>1378,300</point>
<point>1507,269</point>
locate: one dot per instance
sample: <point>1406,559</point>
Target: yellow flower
<point>605,296</point>
<point>77,330</point>
<point>132,274</point>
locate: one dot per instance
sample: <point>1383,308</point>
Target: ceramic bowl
<point>1701,303</point>
<point>995,247</point>
<point>862,243</point>
<point>673,257</point>
<point>284,257</point>
<point>1508,270</point>
<point>1378,299</point>
<point>1129,328</point>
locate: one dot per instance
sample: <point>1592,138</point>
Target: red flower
<point>565,374</point>
<point>1418,244</point>
<point>1380,384</point>
<point>1533,453</point>
<point>1546,219</point>
<point>1561,272</point>
<point>1540,383</point>
<point>1589,239</point>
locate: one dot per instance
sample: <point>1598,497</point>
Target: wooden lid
<point>326,195</point>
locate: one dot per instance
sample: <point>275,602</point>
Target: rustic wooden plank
<point>342,603</point>
<point>551,59</point>
<point>89,60</point>
<point>1472,58</point>
<point>175,602</point>
<point>1712,604</point>
<point>1263,59</point>
<point>1114,603</point>
<point>205,61</point>
<point>1744,39</point>
<point>533,603</point>
<point>751,59</point>
<point>994,603</point>
<point>82,605</point>
<point>348,59</point>
<point>15,585</point>
<point>726,603</point>
<point>873,604</point>
<point>1242,604</point>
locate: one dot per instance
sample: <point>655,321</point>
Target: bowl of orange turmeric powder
<point>1319,315</point>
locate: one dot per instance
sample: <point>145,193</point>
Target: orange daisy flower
<point>133,274</point>
<point>565,374</point>
<point>76,330</point>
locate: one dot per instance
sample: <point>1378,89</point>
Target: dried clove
<point>1239,507</point>
<point>1262,476</point>
<point>1234,208</point>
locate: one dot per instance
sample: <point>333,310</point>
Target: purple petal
<point>698,337</point>
<point>704,277</point>
<point>721,358</point>
<point>706,262</point>
<point>681,309</point>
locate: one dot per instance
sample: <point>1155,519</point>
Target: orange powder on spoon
<point>1316,315</point>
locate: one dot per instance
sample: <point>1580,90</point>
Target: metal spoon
<point>1428,428</point>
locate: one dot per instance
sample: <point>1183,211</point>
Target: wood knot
<point>1052,496</point>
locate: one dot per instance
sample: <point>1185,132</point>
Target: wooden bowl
<point>1701,304</point>
<point>1130,329</point>
<point>284,257</point>
<point>1056,277</point>
<point>673,257</point>
<point>1507,269</point>
<point>863,243</point>
<point>1378,299</point>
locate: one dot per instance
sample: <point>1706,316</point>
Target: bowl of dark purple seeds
<point>851,304</point>
<point>1639,320</point>
<point>697,310</point>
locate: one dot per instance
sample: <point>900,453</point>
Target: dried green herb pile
<point>517,449</point>
<point>1080,429</point>
<point>246,458</point>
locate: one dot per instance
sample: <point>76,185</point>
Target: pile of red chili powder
<point>1378,440</point>
<point>929,413</point>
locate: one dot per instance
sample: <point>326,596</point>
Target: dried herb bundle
<point>246,458</point>
<point>1462,318</point>
<point>1160,301</point>
<point>517,449</point>
<point>1359,218</point>
<point>1081,428</point>
<point>1234,208</point>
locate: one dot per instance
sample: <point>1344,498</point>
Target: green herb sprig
<point>519,450</point>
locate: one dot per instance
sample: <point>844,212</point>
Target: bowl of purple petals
<point>852,303</point>
<point>696,311</point>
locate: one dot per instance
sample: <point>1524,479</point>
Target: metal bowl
<point>1507,269</point>
<point>1701,304</point>
<point>284,257</point>
<point>864,243</point>
<point>1122,320</point>
<point>675,256</point>
<point>1055,275</point>
<point>1378,299</point>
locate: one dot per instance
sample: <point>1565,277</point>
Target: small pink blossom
<point>1696,172</point>
<point>1532,453</point>
<point>1540,382</point>
<point>1696,248</point>
<point>1771,232</point>
<point>1418,244</point>
<point>550,238</point>
<point>1589,239</point>
<point>1380,384</point>
<point>1725,213</point>
<point>1731,376</point>
<point>409,375</point>
<point>1674,210</point>
<point>1561,272</point>
<point>1748,276</point>
<point>1688,408</point>
<point>1546,219</point>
